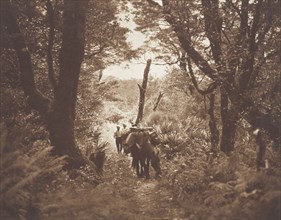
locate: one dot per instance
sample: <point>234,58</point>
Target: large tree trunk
<point>143,91</point>
<point>62,119</point>
<point>213,125</point>
<point>229,118</point>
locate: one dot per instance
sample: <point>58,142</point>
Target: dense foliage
<point>222,82</point>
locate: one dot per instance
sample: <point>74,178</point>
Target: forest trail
<point>124,196</point>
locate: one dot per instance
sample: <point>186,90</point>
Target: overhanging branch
<point>186,44</point>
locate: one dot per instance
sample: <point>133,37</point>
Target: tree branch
<point>51,73</point>
<point>212,86</point>
<point>161,94</point>
<point>241,37</point>
<point>102,44</point>
<point>268,23</point>
<point>154,3</point>
<point>248,65</point>
<point>187,44</point>
<point>244,20</point>
<point>213,26</point>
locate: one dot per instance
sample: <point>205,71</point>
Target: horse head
<point>129,142</point>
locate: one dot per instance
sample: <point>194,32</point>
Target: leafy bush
<point>98,157</point>
<point>168,130</point>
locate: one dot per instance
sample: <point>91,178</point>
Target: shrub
<point>98,157</point>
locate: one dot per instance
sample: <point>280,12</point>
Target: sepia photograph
<point>140,110</point>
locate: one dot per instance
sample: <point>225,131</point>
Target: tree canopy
<point>229,42</point>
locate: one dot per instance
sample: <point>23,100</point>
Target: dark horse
<point>142,151</point>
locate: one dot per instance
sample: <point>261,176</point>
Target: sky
<point>135,68</point>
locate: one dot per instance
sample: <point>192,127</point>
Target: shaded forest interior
<point>217,111</point>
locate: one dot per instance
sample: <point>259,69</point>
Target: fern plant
<point>19,171</point>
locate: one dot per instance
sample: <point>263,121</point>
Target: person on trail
<point>261,162</point>
<point>124,134</point>
<point>118,139</point>
<point>125,131</point>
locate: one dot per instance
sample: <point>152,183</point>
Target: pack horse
<point>141,145</point>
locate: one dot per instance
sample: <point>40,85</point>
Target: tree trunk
<point>142,92</point>
<point>213,125</point>
<point>229,119</point>
<point>51,72</point>
<point>158,100</point>
<point>36,100</point>
<point>61,119</point>
<point>61,123</point>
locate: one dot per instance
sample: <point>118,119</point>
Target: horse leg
<point>155,163</point>
<point>136,165</point>
<point>117,144</point>
<point>121,145</point>
<point>261,163</point>
<point>138,170</point>
<point>147,168</point>
<point>142,165</point>
<point>139,167</point>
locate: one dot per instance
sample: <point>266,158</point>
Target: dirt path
<point>124,196</point>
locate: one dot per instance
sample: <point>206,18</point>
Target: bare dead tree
<point>143,91</point>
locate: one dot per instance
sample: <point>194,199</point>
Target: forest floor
<point>124,196</point>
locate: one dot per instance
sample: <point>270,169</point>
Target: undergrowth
<point>224,187</point>
<point>22,174</point>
